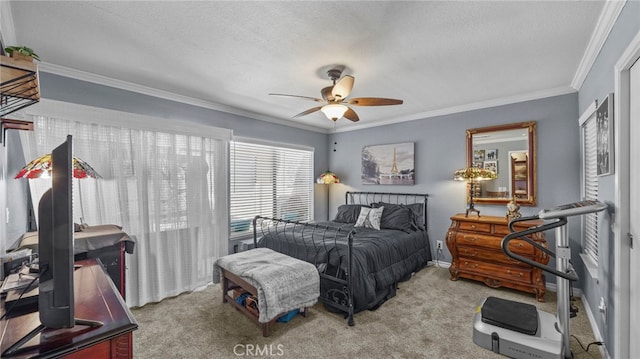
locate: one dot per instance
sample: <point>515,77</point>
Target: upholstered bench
<point>281,283</point>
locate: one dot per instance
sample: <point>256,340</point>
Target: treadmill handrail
<point>522,235</point>
<point>532,242</point>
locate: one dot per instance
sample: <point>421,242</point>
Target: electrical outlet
<point>439,245</point>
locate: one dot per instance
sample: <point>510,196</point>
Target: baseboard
<point>552,287</point>
<point>594,327</point>
<point>439,264</point>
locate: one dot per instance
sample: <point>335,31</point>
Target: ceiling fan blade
<point>351,115</point>
<point>304,97</point>
<point>311,110</point>
<point>326,94</point>
<point>343,87</point>
<point>374,101</point>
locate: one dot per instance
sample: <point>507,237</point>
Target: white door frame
<point>621,340</point>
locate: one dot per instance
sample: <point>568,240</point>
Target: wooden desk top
<point>96,298</point>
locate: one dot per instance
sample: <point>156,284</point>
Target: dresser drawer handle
<point>471,238</point>
<point>519,274</point>
<point>470,254</point>
<point>474,265</point>
<point>473,226</point>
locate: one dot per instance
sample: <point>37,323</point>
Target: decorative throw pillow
<point>417,209</point>
<point>348,213</point>
<point>397,217</point>
<point>369,218</point>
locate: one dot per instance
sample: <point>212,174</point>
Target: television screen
<point>55,247</point>
<point>55,250</point>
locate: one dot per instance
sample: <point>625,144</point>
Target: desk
<point>107,242</point>
<point>96,298</point>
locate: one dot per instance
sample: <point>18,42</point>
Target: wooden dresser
<point>475,245</point>
<point>96,298</point>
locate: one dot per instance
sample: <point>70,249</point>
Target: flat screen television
<point>55,243</point>
<point>55,250</point>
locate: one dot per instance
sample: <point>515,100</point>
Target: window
<point>589,184</point>
<point>164,181</point>
<point>271,181</point>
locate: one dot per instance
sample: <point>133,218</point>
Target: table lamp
<point>472,175</point>
<point>41,168</point>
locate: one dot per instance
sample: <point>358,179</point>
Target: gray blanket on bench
<point>283,283</point>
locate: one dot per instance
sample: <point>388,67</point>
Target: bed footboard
<point>329,249</point>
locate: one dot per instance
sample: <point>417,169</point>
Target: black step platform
<point>516,316</point>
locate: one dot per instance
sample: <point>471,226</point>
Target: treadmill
<point>519,330</point>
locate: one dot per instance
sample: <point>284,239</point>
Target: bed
<point>359,266</point>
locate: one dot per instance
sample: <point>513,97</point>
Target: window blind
<point>590,190</point>
<point>269,181</point>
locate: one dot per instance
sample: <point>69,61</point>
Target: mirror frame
<point>533,175</point>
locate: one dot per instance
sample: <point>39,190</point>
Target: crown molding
<point>149,91</point>
<point>536,95</point>
<point>608,17</point>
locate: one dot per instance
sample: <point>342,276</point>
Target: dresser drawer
<point>502,230</point>
<point>485,255</point>
<point>476,227</point>
<point>480,240</point>
<point>515,274</point>
<point>491,242</point>
<point>520,246</point>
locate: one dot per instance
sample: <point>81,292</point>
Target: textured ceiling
<point>433,55</point>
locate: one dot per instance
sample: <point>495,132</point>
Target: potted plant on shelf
<point>21,53</point>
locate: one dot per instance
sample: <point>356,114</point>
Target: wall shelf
<point>19,86</point>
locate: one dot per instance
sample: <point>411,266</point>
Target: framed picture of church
<point>391,164</point>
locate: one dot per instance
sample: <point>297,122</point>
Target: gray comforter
<point>381,258</point>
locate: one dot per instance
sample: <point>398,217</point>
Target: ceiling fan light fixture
<point>334,111</point>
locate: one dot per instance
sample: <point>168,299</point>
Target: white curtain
<point>168,190</point>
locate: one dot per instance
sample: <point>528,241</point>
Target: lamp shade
<point>474,174</point>
<point>327,177</point>
<point>334,111</point>
<point>41,167</point>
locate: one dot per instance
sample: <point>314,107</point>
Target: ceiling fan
<point>335,99</point>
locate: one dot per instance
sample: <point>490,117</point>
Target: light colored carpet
<point>430,317</point>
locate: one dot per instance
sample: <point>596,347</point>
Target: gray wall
<point>440,149</point>
<point>597,85</point>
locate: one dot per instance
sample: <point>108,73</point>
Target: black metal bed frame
<point>322,239</point>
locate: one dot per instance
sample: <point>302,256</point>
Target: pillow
<point>416,209</point>
<point>397,217</point>
<point>348,213</point>
<point>369,218</point>
<point>418,214</point>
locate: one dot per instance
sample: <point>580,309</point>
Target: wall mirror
<point>510,151</point>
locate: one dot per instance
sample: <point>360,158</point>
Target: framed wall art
<point>391,164</point>
<point>604,136</point>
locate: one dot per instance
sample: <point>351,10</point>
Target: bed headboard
<point>366,198</point>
